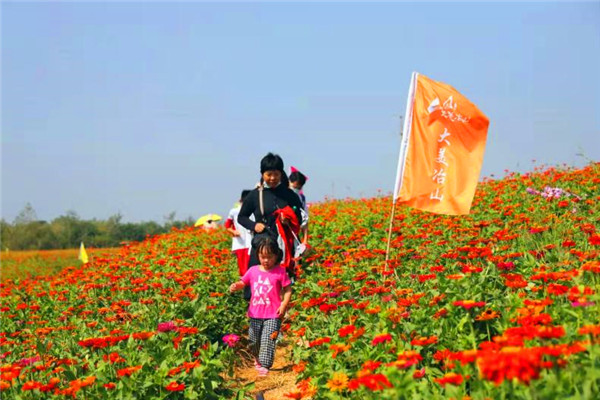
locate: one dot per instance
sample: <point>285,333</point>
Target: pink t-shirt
<point>266,289</point>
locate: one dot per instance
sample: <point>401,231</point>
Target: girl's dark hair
<point>270,246</point>
<point>299,177</point>
<point>271,162</point>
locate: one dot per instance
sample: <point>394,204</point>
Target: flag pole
<point>402,159</point>
<point>389,240</point>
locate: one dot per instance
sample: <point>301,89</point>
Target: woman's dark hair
<point>271,162</point>
<point>269,246</point>
<point>299,177</point>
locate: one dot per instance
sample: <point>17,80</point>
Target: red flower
<point>319,341</point>
<point>521,363</point>
<point>346,330</point>
<point>373,382</point>
<point>175,387</point>
<point>113,358</point>
<point>31,385</point>
<point>371,365</point>
<point>406,360</point>
<point>384,337</point>
<point>450,378</point>
<point>594,240</point>
<point>419,373</point>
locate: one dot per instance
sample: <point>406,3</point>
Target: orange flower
<point>306,387</point>
<point>88,381</point>
<point>487,315</point>
<point>357,334</point>
<point>300,367</point>
<point>339,348</point>
<point>424,341</point>
<point>143,335</point>
<point>188,366</point>
<point>589,329</point>
<point>338,382</point>
<point>128,371</point>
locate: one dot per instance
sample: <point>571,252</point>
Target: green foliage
<point>69,230</point>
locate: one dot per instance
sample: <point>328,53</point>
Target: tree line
<point>67,231</point>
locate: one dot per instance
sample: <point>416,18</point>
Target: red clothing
<point>243,257</point>
<point>287,232</point>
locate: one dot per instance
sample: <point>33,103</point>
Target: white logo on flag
<point>433,105</point>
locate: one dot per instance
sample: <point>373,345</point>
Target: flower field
<point>502,303</point>
<point>29,263</point>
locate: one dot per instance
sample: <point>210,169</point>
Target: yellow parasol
<point>206,218</point>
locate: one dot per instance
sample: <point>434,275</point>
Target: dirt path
<point>281,378</point>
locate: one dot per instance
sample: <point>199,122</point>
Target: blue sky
<point>145,108</point>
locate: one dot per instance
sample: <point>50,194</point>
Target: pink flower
<point>231,339</point>
<point>167,326</point>
<point>582,304</point>
<point>28,361</point>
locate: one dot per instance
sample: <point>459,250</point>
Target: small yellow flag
<point>83,254</point>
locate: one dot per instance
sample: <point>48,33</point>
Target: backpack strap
<point>260,202</point>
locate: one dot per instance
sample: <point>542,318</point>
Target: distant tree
<point>5,234</point>
<point>69,230</point>
<point>26,215</point>
<point>169,218</point>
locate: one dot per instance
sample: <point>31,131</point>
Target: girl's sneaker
<point>257,364</point>
<point>262,371</point>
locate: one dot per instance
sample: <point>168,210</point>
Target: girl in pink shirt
<point>267,282</point>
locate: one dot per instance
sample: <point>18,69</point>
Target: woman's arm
<point>248,208</point>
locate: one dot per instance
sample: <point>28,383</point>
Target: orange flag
<point>442,149</point>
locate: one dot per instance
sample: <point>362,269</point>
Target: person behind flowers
<point>241,240</point>
<point>297,182</point>
<point>271,292</point>
<point>240,243</point>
